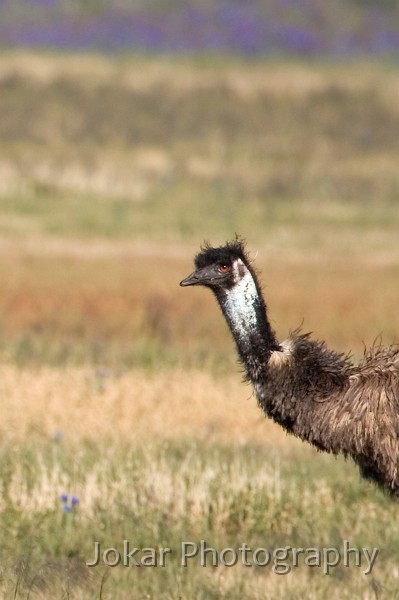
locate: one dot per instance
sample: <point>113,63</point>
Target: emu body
<point>313,392</point>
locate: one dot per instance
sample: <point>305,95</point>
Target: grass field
<point>122,390</point>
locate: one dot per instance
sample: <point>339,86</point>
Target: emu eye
<point>224,268</point>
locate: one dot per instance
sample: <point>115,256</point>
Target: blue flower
<point>69,504</point>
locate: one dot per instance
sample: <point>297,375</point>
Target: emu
<point>312,391</point>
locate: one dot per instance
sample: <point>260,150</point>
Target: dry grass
<point>136,406</point>
<point>161,496</point>
<point>245,78</point>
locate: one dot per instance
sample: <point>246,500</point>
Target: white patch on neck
<point>239,303</point>
<point>279,358</point>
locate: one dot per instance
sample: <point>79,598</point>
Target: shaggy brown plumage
<point>313,392</point>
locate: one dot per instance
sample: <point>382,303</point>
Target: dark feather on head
<point>222,255</point>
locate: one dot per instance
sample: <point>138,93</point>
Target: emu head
<point>219,268</point>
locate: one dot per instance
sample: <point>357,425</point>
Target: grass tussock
<point>159,495</point>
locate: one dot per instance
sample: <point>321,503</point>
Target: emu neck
<point>245,312</point>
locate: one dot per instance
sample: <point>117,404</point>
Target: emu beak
<point>205,276</point>
<point>192,279</point>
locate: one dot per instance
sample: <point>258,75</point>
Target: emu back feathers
<point>318,395</point>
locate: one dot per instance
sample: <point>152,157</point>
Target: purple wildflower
<point>69,504</point>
